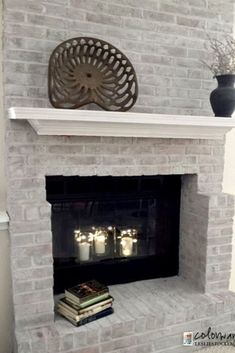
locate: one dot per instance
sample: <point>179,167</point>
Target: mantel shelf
<point>4,220</point>
<point>46,121</point>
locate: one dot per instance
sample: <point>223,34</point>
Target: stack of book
<point>85,302</point>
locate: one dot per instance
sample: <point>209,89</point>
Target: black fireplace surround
<point>114,229</point>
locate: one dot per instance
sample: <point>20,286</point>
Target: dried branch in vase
<point>222,56</point>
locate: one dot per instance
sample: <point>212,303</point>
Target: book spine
<point>73,294</point>
<point>85,315</point>
<point>62,307</point>
<point>65,306</point>
<point>94,317</point>
<point>71,320</point>
<point>89,302</point>
<point>77,311</point>
<point>94,306</point>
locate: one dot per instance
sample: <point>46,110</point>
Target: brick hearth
<point>150,316</point>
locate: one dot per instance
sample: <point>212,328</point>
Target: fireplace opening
<point>114,229</point>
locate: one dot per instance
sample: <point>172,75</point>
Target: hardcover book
<point>91,318</point>
<point>77,310</point>
<point>86,292</point>
<point>89,302</point>
<point>80,317</point>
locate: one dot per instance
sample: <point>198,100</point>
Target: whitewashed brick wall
<point>205,240</point>
<point>164,39</point>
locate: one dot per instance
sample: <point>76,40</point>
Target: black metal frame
<point>67,272</point>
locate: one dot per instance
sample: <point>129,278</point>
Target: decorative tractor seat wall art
<point>87,70</point>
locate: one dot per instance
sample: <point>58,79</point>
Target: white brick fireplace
<point>165,42</point>
<point>149,316</point>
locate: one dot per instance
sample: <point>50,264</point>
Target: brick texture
<point>205,229</point>
<point>164,39</point>
<point>138,326</point>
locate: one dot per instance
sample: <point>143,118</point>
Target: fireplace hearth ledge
<point>47,121</point>
<point>4,220</point>
<point>172,307</point>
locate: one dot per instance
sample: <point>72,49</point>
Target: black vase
<point>223,97</point>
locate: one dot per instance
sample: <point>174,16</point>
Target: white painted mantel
<point>47,121</point>
<point>4,220</point>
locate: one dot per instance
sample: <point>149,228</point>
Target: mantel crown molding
<point>47,121</point>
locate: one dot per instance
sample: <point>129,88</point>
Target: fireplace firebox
<point>114,229</point>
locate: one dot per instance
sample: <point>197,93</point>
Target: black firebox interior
<point>114,229</point>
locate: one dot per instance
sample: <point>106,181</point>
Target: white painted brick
<point>104,19</point>
<point>67,343</point>
<point>190,22</point>
<point>165,42</point>
<point>14,16</point>
<point>24,347</point>
<point>158,16</point>
<point>23,55</point>
<point>33,297</point>
<point>169,6</point>
<point>118,343</point>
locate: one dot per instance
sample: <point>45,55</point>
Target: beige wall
<point>5,281</point>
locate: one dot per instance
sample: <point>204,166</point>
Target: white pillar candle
<point>84,251</point>
<point>100,244</point>
<point>127,246</point>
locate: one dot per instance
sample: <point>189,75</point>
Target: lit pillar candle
<point>100,244</point>
<point>127,246</point>
<point>84,251</point>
